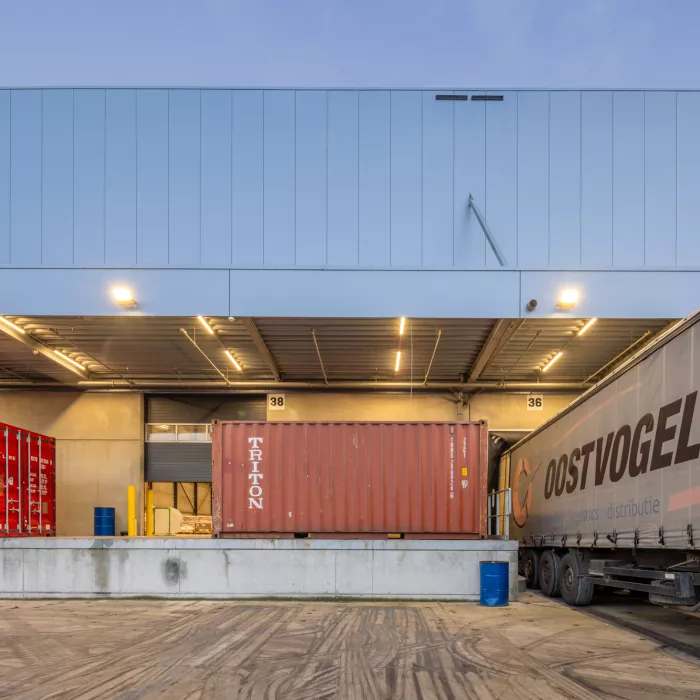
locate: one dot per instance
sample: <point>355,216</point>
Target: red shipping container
<point>361,479</point>
<point>27,483</point>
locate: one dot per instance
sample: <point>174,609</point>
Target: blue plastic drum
<point>493,577</point>
<point>104,522</point>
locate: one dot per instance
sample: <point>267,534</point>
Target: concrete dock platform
<point>249,568</point>
<point>303,650</point>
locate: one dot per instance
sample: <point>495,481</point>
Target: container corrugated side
<point>27,483</point>
<point>413,479</point>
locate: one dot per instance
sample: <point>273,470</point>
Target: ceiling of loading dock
<point>141,351</point>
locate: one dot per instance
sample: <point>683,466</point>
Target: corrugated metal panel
<point>204,409</point>
<point>177,461</point>
<point>146,159</point>
<point>412,478</point>
<point>538,340</point>
<point>144,348</point>
<point>361,349</point>
<point>114,346</point>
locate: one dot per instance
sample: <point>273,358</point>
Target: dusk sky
<point>374,43</point>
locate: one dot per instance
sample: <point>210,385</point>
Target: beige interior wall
<point>163,497</point>
<point>502,411</point>
<point>328,406</point>
<point>99,450</point>
<point>509,411</point>
<point>163,494</point>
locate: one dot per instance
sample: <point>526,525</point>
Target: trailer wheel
<point>531,568</point>
<point>550,563</point>
<point>574,589</point>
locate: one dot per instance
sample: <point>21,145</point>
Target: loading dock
<point>144,374</point>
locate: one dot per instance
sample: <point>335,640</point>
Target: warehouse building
<point>173,256</point>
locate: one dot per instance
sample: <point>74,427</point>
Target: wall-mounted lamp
<point>124,297</point>
<point>568,299</point>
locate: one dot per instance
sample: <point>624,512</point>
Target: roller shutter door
<point>191,461</point>
<point>204,409</point>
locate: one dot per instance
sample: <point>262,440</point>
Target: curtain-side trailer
<point>607,493</point>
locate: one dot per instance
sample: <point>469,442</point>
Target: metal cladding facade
<point>27,483</point>
<point>414,479</point>
<point>211,201</point>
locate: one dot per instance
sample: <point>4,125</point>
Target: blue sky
<point>402,43</point>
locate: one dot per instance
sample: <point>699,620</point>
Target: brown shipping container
<point>364,479</point>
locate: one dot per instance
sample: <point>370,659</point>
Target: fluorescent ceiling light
<point>233,360</point>
<point>40,348</point>
<point>210,330</point>
<point>587,326</point>
<point>69,359</point>
<point>402,325</point>
<point>552,361</point>
<point>398,360</point>
<point>12,325</point>
<point>568,299</point>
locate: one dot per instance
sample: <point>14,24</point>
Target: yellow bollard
<point>131,512</point>
<point>149,513</point>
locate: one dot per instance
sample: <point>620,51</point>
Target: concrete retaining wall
<point>198,568</point>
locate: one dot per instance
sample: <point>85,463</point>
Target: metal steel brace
<point>487,232</point>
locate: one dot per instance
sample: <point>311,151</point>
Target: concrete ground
<point>197,650</point>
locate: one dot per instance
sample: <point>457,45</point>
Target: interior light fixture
<point>69,359</point>
<point>568,299</point>
<point>402,325</point>
<point>123,296</point>
<point>209,329</point>
<point>233,360</point>
<point>12,325</point>
<point>398,360</point>
<point>590,322</point>
<point>552,361</point>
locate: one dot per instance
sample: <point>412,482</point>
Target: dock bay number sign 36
<point>276,402</point>
<point>535,402</point>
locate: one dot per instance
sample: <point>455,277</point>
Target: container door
<point>47,492</point>
<point>10,479</point>
<point>38,492</point>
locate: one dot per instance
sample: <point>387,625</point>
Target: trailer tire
<point>550,563</point>
<point>531,568</point>
<point>575,590</point>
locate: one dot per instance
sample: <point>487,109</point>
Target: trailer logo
<point>655,442</point>
<point>522,489</point>
<point>255,492</point>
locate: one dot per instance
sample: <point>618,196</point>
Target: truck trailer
<point>607,493</point>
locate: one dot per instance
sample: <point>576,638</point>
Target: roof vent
<point>487,98</point>
<point>453,98</point>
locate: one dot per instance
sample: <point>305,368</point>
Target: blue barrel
<point>104,522</point>
<point>493,577</point>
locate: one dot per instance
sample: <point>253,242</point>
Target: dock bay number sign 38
<point>535,402</point>
<point>276,402</point>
